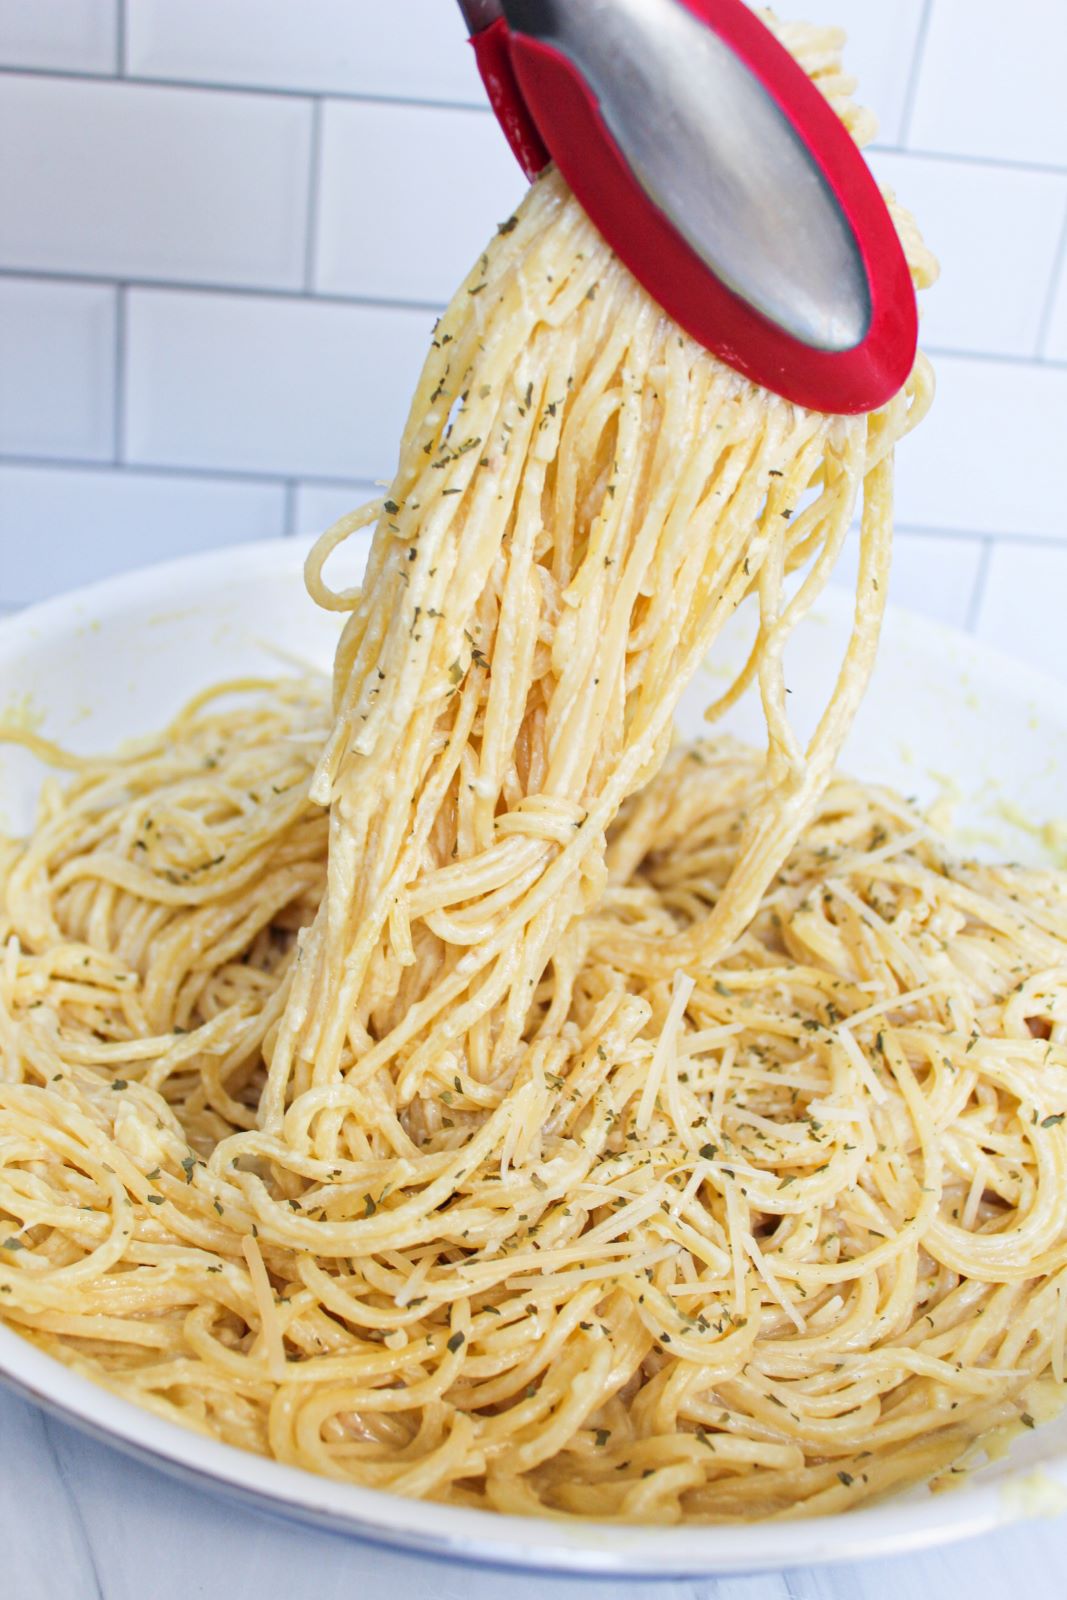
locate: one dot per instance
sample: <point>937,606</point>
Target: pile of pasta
<point>768,1236</point>
<point>435,1080</point>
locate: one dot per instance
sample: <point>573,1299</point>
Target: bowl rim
<point>891,1526</point>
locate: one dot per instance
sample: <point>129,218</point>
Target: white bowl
<point>117,659</point>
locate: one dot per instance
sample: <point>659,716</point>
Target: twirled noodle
<point>435,1089</point>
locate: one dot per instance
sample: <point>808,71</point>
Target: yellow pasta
<point>441,1084</point>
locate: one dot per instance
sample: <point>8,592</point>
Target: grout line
<point>929,530</point>
<point>1059,270</point>
<point>964,159</point>
<point>144,469</point>
<point>120,38</point>
<point>289,519</point>
<point>907,111</point>
<point>366,486</point>
<point>77,1510</point>
<point>427,103</point>
<point>268,91</point>
<point>790,1593</point>
<point>118,398</point>
<point>923,530</point>
<point>314,183</point>
<point>177,285</point>
<point>1000,357</point>
<point>978,592</point>
<point>433,307</point>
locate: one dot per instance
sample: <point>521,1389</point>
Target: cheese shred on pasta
<point>438,1082</point>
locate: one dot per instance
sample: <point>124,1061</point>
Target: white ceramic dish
<point>116,659</point>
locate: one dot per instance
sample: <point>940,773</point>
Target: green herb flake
<point>457,1341</point>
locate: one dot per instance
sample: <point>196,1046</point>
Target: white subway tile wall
<point>989,226</point>
<point>72,525</point>
<point>935,573</point>
<point>990,81</point>
<point>881,50</point>
<point>318,505</point>
<point>388,49</point>
<point>59,35</point>
<point>1023,599</point>
<point>1055,347</point>
<point>988,457</point>
<point>225,226</point>
<point>57,369</point>
<point>409,223</point>
<point>268,384</point>
<point>117,179</point>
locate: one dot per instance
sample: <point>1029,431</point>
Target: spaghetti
<point>442,1086</point>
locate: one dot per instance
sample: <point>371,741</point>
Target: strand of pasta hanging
<point>584,498</point>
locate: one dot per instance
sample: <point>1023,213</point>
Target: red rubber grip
<point>546,108</point>
<point>492,50</point>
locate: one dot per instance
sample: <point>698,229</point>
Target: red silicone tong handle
<point>492,49</point>
<point>548,112</point>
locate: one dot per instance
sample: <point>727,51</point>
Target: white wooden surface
<point>80,1522</point>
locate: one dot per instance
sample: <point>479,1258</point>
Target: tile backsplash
<point>226,227</point>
